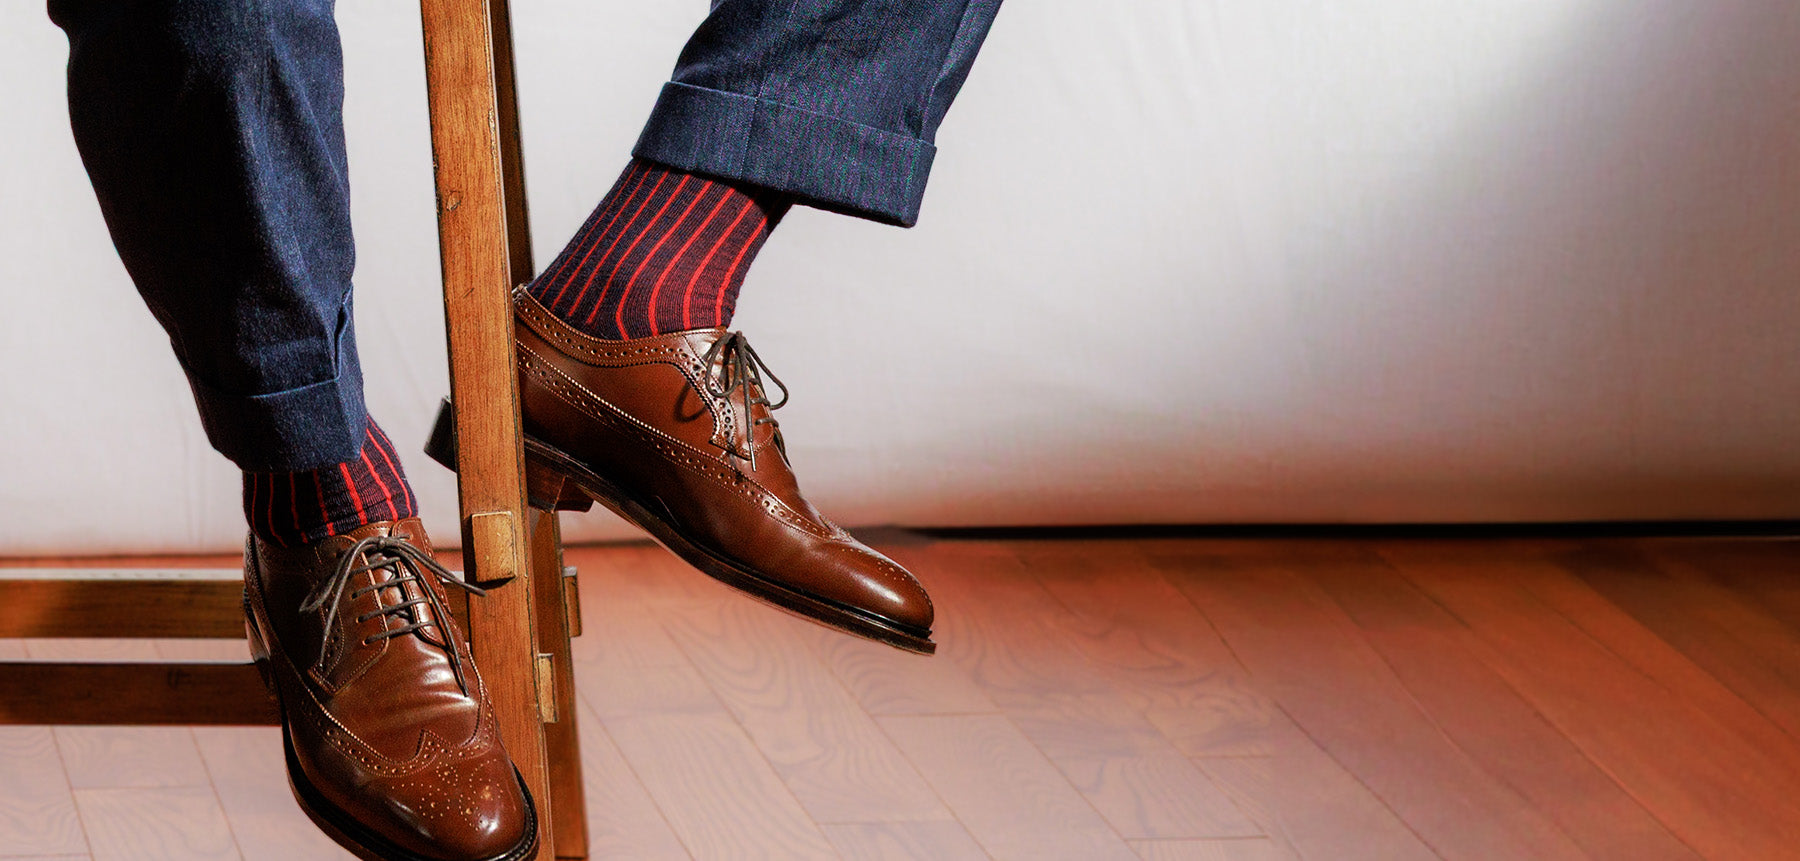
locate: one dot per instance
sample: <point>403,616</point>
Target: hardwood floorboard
<point>1308,802</point>
<point>943,840</point>
<point>887,681</point>
<point>827,750</point>
<point>719,793</point>
<point>1538,576</point>
<point>1308,655</point>
<point>1717,792</point>
<point>1018,648</point>
<point>1750,651</point>
<point>1011,799</point>
<point>1164,655</point>
<point>1486,719</point>
<point>125,757</point>
<point>171,823</point>
<point>1766,572</point>
<point>37,810</point>
<point>622,820</point>
<point>1237,849</point>
<point>1166,698</point>
<point>247,770</point>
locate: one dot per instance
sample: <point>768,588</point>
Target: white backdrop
<point>1181,261</point>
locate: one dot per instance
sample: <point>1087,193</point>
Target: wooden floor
<point>1161,699</point>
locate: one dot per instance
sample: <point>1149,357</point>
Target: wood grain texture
<point>718,792</point>
<point>1017,646</point>
<point>1707,783</point>
<point>37,811</point>
<point>622,820</point>
<point>122,603</point>
<point>1003,789</point>
<point>1242,849</point>
<point>904,841</point>
<point>1164,655</point>
<point>1487,720</point>
<point>827,750</point>
<point>1307,801</point>
<point>181,823</point>
<point>1751,651</point>
<point>1628,694</point>
<point>1312,659</point>
<point>247,767</point>
<point>124,757</point>
<point>887,681</point>
<point>1766,572</point>
<point>461,39</point>
<point>562,739</point>
<point>134,693</point>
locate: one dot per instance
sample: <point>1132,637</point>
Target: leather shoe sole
<point>343,828</point>
<point>557,481</point>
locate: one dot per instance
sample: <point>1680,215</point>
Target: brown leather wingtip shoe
<point>675,434</point>
<point>391,744</point>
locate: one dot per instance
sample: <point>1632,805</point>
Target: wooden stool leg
<point>478,262</point>
<point>558,620</point>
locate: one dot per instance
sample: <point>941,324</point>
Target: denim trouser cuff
<point>298,429</point>
<point>824,161</point>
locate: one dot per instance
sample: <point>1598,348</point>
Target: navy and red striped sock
<point>291,508</point>
<point>663,252</point>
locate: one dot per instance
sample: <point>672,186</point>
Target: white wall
<point>1182,261</point>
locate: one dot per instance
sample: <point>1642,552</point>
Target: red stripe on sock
<point>609,225</point>
<point>356,498</point>
<point>687,302</point>
<point>719,305</point>
<point>573,306</point>
<point>293,502</point>
<point>650,313</point>
<point>654,219</point>
<point>324,513</point>
<point>385,492</point>
<point>386,447</point>
<point>698,232</point>
<point>268,510</point>
<point>562,263</point>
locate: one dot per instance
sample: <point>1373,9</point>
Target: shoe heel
<point>441,445</point>
<point>545,488</point>
<point>259,650</point>
<point>550,490</point>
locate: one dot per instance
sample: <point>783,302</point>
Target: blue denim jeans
<point>212,131</point>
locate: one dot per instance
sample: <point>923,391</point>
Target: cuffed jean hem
<point>298,429</point>
<point>823,161</point>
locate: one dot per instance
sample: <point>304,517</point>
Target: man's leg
<point>213,135</point>
<point>829,103</point>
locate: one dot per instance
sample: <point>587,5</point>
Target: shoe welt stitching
<point>677,452</point>
<point>575,394</point>
<point>562,335</point>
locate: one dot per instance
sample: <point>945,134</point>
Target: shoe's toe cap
<point>876,584</point>
<point>467,811</point>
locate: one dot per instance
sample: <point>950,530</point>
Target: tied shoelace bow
<point>733,367</point>
<point>407,562</point>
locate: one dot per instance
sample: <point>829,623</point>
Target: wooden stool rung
<point>58,692</point>
<point>133,603</point>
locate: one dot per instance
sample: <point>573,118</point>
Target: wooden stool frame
<point>520,631</point>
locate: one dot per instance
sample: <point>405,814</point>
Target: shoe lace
<point>733,367</point>
<point>407,563</point>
